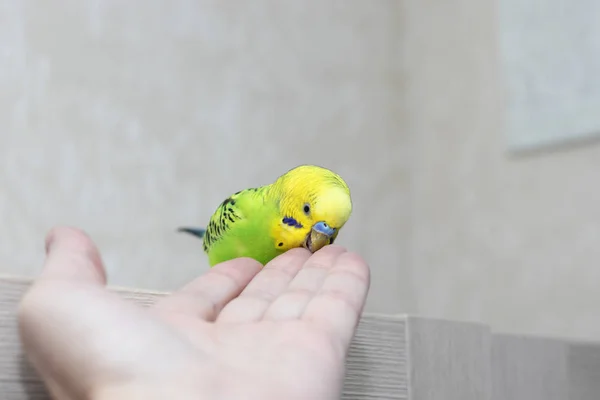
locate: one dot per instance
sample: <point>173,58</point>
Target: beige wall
<point>131,119</point>
<point>511,241</point>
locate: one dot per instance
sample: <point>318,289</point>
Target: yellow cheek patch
<point>286,237</point>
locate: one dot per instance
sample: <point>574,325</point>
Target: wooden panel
<point>449,360</point>
<point>392,357</point>
<point>376,365</point>
<point>584,371</point>
<point>377,361</point>
<point>529,368</point>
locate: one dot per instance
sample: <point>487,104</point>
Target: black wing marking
<point>226,215</point>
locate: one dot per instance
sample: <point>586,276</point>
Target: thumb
<point>72,256</point>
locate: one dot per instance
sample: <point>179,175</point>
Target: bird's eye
<point>306,209</point>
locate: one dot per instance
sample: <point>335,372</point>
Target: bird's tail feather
<point>199,232</point>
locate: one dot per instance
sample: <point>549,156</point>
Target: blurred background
<point>446,118</point>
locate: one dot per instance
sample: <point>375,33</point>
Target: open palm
<point>237,332</point>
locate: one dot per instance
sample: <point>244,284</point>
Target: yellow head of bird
<point>316,201</point>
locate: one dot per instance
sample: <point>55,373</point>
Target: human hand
<point>235,332</point>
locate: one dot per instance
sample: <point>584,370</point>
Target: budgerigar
<point>305,207</point>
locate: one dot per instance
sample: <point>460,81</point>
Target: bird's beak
<point>319,236</point>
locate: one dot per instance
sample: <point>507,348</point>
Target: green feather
<point>264,222</point>
<point>230,234</point>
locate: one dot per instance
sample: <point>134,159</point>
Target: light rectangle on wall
<point>551,70</point>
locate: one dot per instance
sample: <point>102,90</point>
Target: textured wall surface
<point>511,241</point>
<point>551,58</point>
<point>130,119</point>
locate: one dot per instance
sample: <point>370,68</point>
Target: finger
<point>205,296</point>
<point>72,256</point>
<point>76,337</point>
<point>339,303</point>
<point>291,303</point>
<point>264,288</point>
